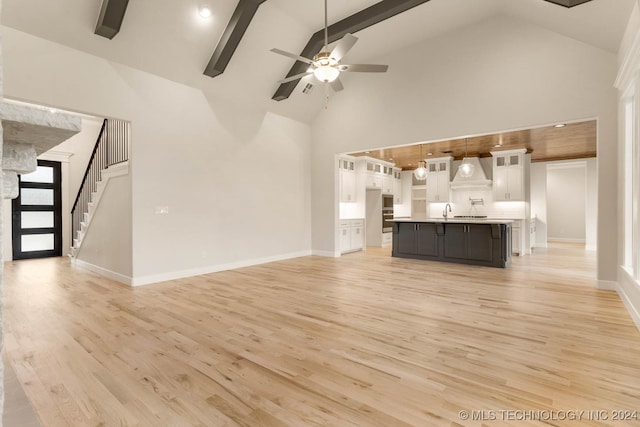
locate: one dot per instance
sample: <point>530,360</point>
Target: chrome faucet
<point>445,214</point>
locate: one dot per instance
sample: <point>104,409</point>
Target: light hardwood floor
<point>363,340</point>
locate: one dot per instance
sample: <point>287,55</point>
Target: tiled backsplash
<point>461,205</point>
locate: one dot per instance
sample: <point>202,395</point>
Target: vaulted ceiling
<point>169,39</point>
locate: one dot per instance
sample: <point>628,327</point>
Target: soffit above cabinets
<point>573,141</point>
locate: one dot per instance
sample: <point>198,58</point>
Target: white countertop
<point>456,220</point>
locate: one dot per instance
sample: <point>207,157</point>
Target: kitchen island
<point>479,242</point>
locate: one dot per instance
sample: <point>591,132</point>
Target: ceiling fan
<point>326,66</point>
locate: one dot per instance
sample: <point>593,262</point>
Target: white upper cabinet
<point>397,186</point>
<point>373,177</point>
<point>348,180</point>
<point>379,175</point>
<point>387,179</point>
<point>438,179</point>
<point>508,175</point>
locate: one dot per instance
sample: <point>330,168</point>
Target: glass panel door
<point>37,213</point>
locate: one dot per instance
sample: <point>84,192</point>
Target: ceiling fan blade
<point>336,85</point>
<point>296,77</point>
<point>364,68</point>
<point>292,56</point>
<point>344,45</point>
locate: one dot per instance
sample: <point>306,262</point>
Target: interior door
<point>37,213</point>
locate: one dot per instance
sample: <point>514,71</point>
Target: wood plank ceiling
<point>573,141</point>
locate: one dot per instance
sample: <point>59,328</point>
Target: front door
<point>37,213</point>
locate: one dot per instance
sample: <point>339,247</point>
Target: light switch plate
<point>162,210</point>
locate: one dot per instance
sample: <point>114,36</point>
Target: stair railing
<point>112,147</point>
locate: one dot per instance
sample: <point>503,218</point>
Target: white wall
<point>107,244</point>
<point>591,218</point>
<point>373,217</point>
<point>539,202</point>
<point>500,74</point>
<point>566,202</point>
<point>627,284</point>
<point>235,180</point>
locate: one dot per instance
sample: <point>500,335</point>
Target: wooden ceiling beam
<point>111,17</point>
<point>351,24</point>
<point>231,37</point>
<point>568,3</point>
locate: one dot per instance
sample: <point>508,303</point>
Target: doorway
<point>568,213</point>
<point>37,213</point>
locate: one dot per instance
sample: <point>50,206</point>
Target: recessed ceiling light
<point>559,125</point>
<point>429,154</point>
<point>367,152</point>
<point>204,12</point>
<point>390,158</point>
<point>498,145</point>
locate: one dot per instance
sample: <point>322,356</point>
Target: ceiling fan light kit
<point>325,66</point>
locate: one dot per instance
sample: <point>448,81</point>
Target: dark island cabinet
<point>469,241</point>
<point>466,243</point>
<point>417,239</point>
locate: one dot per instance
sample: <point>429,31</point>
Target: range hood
<point>477,180</point>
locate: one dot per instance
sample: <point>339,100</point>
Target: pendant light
<point>421,171</point>
<point>466,169</point>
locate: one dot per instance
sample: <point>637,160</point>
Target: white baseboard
<point>102,271</point>
<point>607,285</point>
<point>565,240</point>
<point>629,290</point>
<point>330,254</point>
<point>174,275</point>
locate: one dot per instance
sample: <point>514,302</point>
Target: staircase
<point>110,158</point>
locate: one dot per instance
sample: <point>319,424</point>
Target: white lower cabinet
<point>351,235</point>
<point>387,239</point>
<point>516,237</point>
